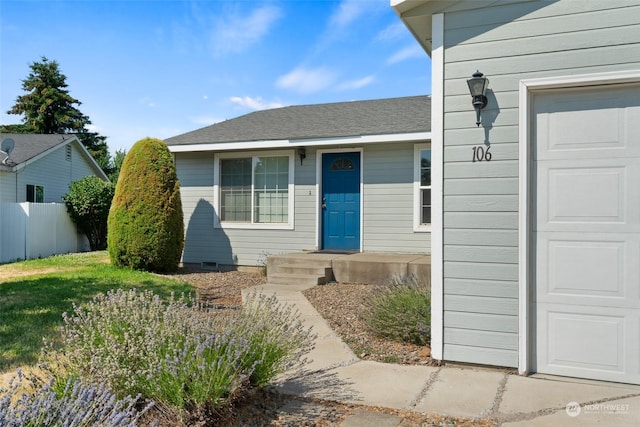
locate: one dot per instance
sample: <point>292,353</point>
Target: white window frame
<point>289,225</point>
<point>417,198</point>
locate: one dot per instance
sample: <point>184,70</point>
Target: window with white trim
<point>255,190</point>
<point>422,186</point>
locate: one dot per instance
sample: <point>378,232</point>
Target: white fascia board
<point>288,143</point>
<point>73,139</point>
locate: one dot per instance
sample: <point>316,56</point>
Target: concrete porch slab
<point>378,268</point>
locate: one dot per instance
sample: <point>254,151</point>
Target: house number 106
<point>480,153</point>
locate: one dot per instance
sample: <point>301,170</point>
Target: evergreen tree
<point>146,225</point>
<point>48,108</point>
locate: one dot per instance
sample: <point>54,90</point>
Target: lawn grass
<point>35,293</point>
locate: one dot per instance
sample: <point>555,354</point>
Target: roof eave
<point>291,143</point>
<point>73,138</point>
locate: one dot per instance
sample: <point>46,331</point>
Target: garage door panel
<point>586,233</point>
<point>606,119</point>
<point>588,197</point>
<point>600,346</point>
<point>588,268</point>
<point>581,343</point>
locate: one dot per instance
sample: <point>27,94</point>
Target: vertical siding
<point>387,213</point>
<point>508,43</point>
<point>34,230</point>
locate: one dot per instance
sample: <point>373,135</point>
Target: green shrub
<point>401,310</point>
<point>185,358</point>
<point>146,229</point>
<point>88,203</point>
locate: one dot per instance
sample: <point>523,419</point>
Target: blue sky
<point>162,67</point>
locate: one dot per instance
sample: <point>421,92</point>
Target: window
<point>422,187</point>
<point>35,193</point>
<point>254,190</point>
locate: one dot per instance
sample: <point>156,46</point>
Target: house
<point>39,169</point>
<point>536,247</point>
<point>346,176</point>
<point>41,166</point>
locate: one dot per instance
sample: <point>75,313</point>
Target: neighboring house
<point>41,167</point>
<point>342,176</point>
<point>535,251</point>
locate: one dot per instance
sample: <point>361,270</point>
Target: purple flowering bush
<point>181,356</point>
<point>77,405</point>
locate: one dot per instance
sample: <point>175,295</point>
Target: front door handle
<point>324,206</point>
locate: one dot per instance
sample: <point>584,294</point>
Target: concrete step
<point>312,270</point>
<point>299,259</point>
<point>295,279</point>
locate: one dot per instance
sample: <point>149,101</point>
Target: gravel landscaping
<point>342,306</point>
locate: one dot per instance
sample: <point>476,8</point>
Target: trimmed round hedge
<point>145,226</point>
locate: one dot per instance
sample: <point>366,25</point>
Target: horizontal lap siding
<point>388,200</point>
<point>204,242</point>
<point>508,43</point>
<point>55,172</point>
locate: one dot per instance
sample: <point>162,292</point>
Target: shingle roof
<point>28,146</point>
<point>340,119</point>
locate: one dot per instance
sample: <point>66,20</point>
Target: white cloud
<point>233,34</point>
<point>392,32</point>
<point>306,80</point>
<point>255,103</point>
<point>348,11</point>
<point>406,53</point>
<point>357,84</point>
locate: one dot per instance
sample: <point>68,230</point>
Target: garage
<point>585,232</point>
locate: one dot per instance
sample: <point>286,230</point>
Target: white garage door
<point>586,233</point>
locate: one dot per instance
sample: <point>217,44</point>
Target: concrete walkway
<point>336,374</point>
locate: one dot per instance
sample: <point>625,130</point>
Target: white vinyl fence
<point>37,230</point>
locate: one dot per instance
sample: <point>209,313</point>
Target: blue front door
<point>341,201</point>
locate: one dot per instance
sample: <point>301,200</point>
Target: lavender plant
<point>401,310</point>
<point>275,343</point>
<point>78,405</point>
<point>173,352</point>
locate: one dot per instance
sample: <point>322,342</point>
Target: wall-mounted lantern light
<point>302,152</point>
<point>478,88</point>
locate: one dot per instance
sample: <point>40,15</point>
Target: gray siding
<point>508,43</point>
<point>387,209</point>
<point>7,187</point>
<point>388,200</point>
<point>55,172</point>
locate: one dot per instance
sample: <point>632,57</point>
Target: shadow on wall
<point>489,115</point>
<point>203,242</point>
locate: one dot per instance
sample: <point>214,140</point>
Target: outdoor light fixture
<point>478,88</point>
<point>302,152</point>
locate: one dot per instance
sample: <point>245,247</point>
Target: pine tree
<point>48,108</point>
